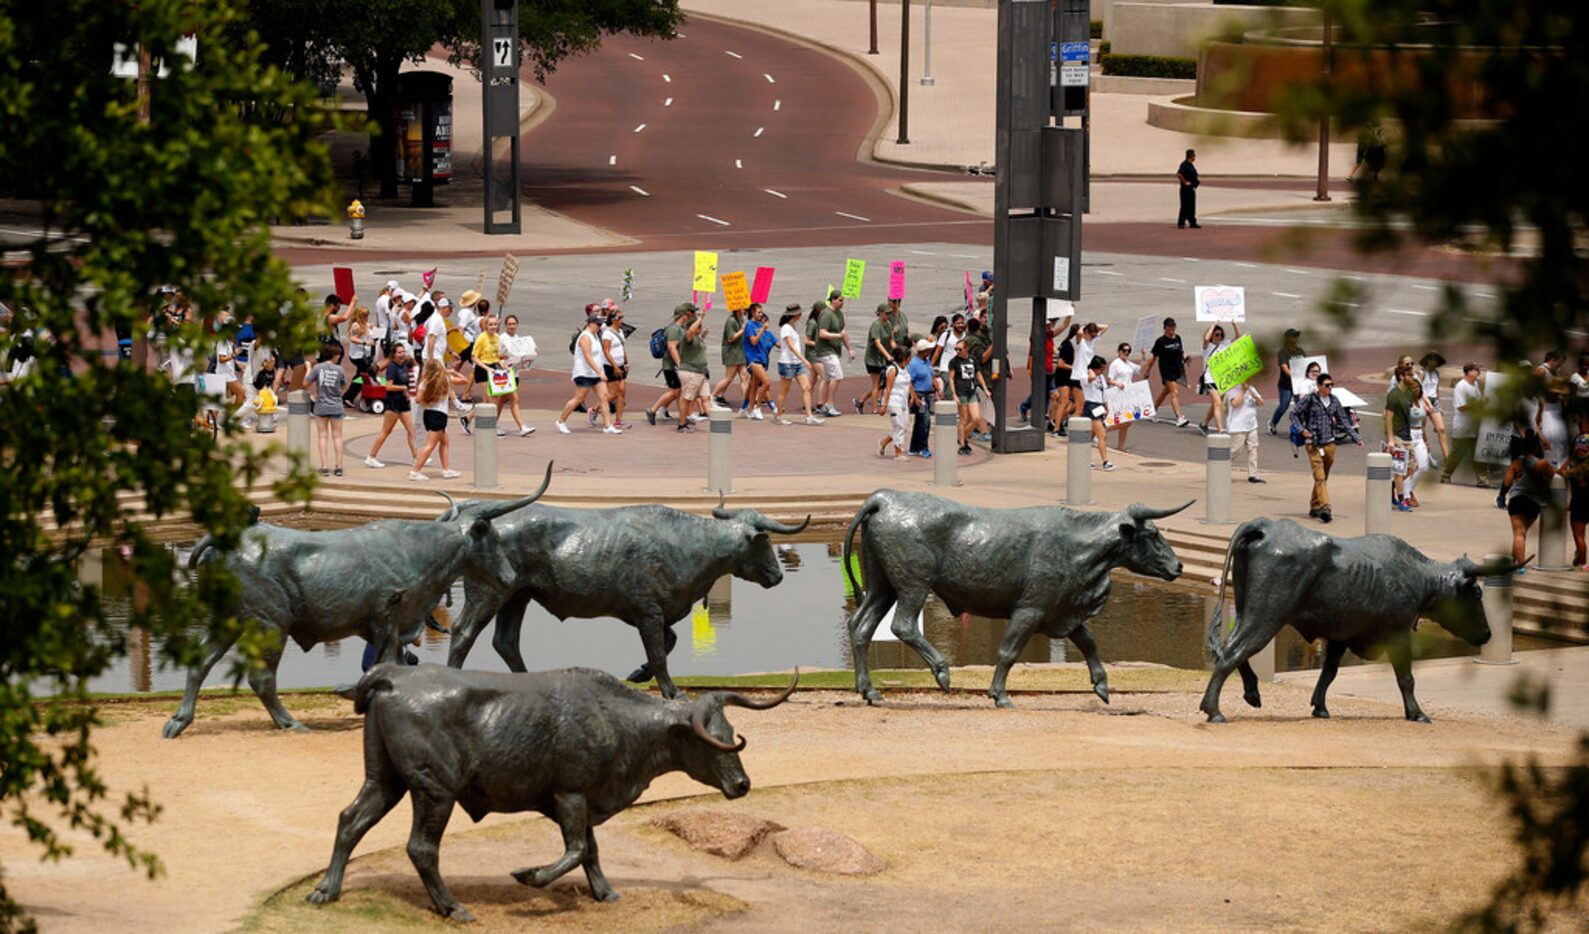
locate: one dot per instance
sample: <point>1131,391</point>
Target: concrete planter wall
<point>1177,29</point>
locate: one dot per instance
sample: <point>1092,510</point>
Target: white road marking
<point>758,131</point>
<point>640,127</point>
<point>1354,278</point>
<point>680,35</point>
<point>738,164</point>
<point>855,217</point>
<point>1108,272</point>
<point>668,102</point>
<point>732,54</point>
<point>959,255</point>
<point>1297,272</point>
<point>921,252</point>
<point>1190,259</point>
<point>777,105</point>
<point>1248,265</point>
<point>1485,294</point>
<point>668,79</point>
<point>768,77</point>
<point>1284,295</point>
<point>1168,279</point>
<point>1426,288</point>
<point>775,194</point>
<point>612,160</point>
<point>708,217</point>
<point>1408,311</point>
<point>640,191</point>
<point>637,58</point>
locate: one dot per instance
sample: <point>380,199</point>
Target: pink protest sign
<point>971,297</point>
<point>896,280</point>
<point>761,288</point>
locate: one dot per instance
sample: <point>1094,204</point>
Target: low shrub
<point>1095,28</point>
<point>1149,66</point>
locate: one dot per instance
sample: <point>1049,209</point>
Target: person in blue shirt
<point>924,381</point>
<point>758,341</point>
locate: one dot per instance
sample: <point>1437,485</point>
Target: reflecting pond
<point>744,628</point>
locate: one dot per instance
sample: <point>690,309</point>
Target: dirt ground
<point>1062,811</point>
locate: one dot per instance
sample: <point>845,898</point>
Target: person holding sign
<point>1122,372</point>
<point>1320,418</point>
<point>1466,400</point>
<point>733,351</point>
<point>1214,342</point>
<point>1290,349</point>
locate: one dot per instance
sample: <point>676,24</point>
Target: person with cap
<point>792,365</point>
<point>404,307</point>
<point>590,372</point>
<point>896,317</point>
<point>1290,349</point>
<point>686,348</point>
<point>1171,356</point>
<point>985,294</point>
<point>879,354</point>
<point>670,379</point>
<point>733,356</point>
<point>382,323</point>
<point>833,334</point>
<point>924,385</point>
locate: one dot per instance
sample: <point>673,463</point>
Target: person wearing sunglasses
<point>1321,419</point>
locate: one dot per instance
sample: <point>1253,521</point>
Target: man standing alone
<point>1320,417</point>
<point>1186,175</point>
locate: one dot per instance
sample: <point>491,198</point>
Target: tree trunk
<point>380,97</point>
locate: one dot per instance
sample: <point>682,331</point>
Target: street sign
<point>502,54</point>
<point>1074,63</point>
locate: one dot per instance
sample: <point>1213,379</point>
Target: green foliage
<point>89,440</point>
<point>1095,29</point>
<point>1149,66</point>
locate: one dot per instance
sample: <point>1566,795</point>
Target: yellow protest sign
<point>736,291</point>
<point>705,272</point>
<point>1235,364</point>
<point>854,271</point>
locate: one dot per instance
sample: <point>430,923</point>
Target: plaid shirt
<point>1323,417</point>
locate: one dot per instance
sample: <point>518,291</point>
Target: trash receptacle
<point>423,134</point>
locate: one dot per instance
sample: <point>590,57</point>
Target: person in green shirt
<point>733,357</point>
<point>815,349</point>
<point>879,351</point>
<point>831,339</point>
<point>686,352</point>
<point>896,316</point>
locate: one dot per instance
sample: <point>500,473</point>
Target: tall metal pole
<point>1323,194</point>
<point>904,73</point>
<point>144,66</point>
<point>926,49</point>
<point>873,49</point>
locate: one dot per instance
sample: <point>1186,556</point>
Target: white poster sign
<point>1495,438</point>
<point>1147,333</point>
<point>885,629</point>
<point>1220,302</point>
<point>1300,384</point>
<point>1131,404</point>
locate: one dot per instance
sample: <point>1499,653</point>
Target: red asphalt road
<point>701,155</point>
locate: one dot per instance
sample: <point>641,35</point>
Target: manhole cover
<point>1158,463</point>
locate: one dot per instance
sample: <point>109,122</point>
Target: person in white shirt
<point>1466,400</point>
<point>793,366</point>
<point>590,372</point>
<point>897,401</point>
<point>1242,426</point>
<point>226,361</point>
<point>1085,338</point>
<point>1122,373</point>
<point>381,322</point>
<point>617,364</point>
<point>1092,389</point>
<point>1214,342</point>
<point>949,341</point>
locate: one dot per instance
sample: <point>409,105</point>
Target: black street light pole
<point>904,73</point>
<point>873,49</point>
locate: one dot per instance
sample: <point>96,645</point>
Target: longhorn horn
<point>502,509</point>
<point>720,511</point>
<point>1506,565</point>
<point>764,524</point>
<point>452,507</point>
<point>698,722</point>
<point>735,699</point>
<point>1140,513</point>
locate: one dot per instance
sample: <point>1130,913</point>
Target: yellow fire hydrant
<point>356,220</point>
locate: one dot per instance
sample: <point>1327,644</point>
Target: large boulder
<point>822,850</point>
<point>717,831</point>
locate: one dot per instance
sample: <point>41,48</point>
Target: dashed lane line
<point>1297,272</point>
<point>638,58</point>
<point>1190,259</point>
<point>1248,265</point>
<point>1169,279</point>
<point>922,252</point>
<point>1408,311</point>
<point>667,78</point>
<point>768,77</point>
<point>612,160</point>
<point>775,194</point>
<point>738,164</point>
<point>1285,295</point>
<point>640,191</point>
<point>708,217</point>
<point>856,217</point>
<point>1107,272</point>
<point>777,105</point>
<point>1425,288</point>
<point>732,54</point>
<point>1354,278</point>
<point>668,102</point>
<point>759,131</point>
<point>640,127</point>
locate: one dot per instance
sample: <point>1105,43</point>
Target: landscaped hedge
<point>1149,66</point>
<point>1095,28</point>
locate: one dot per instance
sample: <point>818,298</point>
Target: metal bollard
<point>1498,612</point>
<point>298,421</point>
<point>945,443</point>
<point>1376,496</point>
<point>1553,529</point>
<point>485,446</point>
<point>719,451</point>
<point>1078,462</point>
<point>1216,508</point>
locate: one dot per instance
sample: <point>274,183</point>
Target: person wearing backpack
<point>1320,418</point>
<point>670,375</point>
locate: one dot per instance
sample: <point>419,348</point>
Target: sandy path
<point>248,809</point>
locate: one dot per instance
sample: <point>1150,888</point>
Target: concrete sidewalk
<point>951,123</point>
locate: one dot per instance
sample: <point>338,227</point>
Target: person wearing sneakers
<point>897,399</point>
<point>924,386</point>
<point>832,338</point>
<point>758,340</point>
<point>878,358</point>
<point>589,373</point>
<point>733,356</point>
<point>1320,418</point>
<point>397,407</point>
<point>1242,426</point>
<point>329,381</point>
<point>435,401</point>
<point>686,340</point>
<point>792,365</point>
<point>1093,408</point>
<point>612,337</point>
<point>966,380</point>
<point>518,354</point>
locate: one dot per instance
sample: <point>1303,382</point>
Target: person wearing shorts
<point>831,339</point>
<point>1170,354</point>
<point>1527,485</point>
<point>966,380</point>
<point>1093,406</point>
<point>686,338</point>
<point>792,365</point>
<point>1576,473</point>
<point>879,350</point>
<point>590,365</point>
<point>329,382</point>
<point>435,400</point>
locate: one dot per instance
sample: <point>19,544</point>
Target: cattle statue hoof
<point>174,727</point>
<point>1002,700</point>
<point>1252,699</point>
<point>608,896</point>
<point>1102,690</point>
<point>1419,717</point>
<point>1216,717</point>
<point>872,696</point>
<point>460,914</point>
<point>295,726</point>
<point>1321,713</point>
<point>321,895</point>
<point>942,674</point>
<point>531,876</point>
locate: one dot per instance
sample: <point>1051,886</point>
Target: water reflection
<point>743,628</point>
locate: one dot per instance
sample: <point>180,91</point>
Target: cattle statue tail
<point>377,680</point>
<point>867,510</point>
<point>1235,558</point>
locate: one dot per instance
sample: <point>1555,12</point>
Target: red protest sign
<point>342,279</point>
<point>761,288</point>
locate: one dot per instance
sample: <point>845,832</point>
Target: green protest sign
<point>1235,364</point>
<point>854,270</point>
